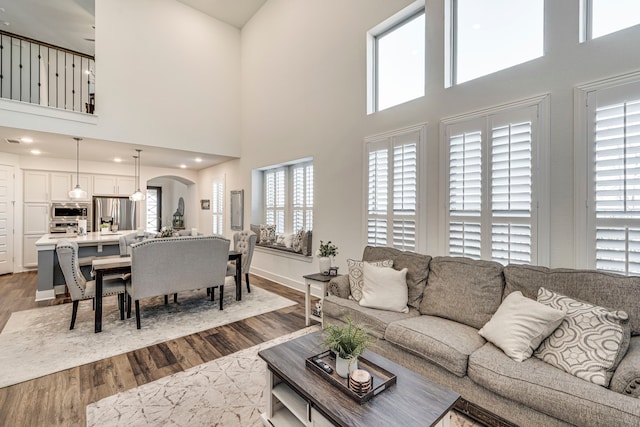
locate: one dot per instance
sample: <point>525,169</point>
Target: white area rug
<point>228,392</point>
<point>38,342</point>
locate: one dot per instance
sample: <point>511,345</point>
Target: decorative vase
<point>344,367</point>
<point>324,262</point>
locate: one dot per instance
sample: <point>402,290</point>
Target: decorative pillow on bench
<point>589,343</point>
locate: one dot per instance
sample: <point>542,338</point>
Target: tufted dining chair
<point>79,287</point>
<point>244,242</point>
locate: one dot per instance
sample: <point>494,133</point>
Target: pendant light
<point>138,195</point>
<point>77,192</point>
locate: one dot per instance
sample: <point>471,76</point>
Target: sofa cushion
<point>384,288</point>
<point>267,234</point>
<point>443,342</point>
<point>520,325</point>
<point>376,321</point>
<point>609,290</point>
<point>589,343</point>
<point>417,266</point>
<point>356,277</point>
<point>626,379</point>
<point>463,289</point>
<point>549,390</point>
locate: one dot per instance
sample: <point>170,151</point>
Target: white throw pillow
<point>520,324</point>
<point>384,288</point>
<point>355,276</point>
<point>288,240</point>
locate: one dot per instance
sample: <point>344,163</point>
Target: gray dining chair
<point>244,242</point>
<point>81,288</point>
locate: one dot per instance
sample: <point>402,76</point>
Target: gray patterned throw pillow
<point>589,343</point>
<point>268,233</point>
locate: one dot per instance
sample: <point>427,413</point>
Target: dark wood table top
<point>413,401</point>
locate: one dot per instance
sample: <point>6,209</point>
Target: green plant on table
<point>348,341</point>
<point>328,249</point>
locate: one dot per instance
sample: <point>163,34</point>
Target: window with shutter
<point>614,184</point>
<point>392,183</point>
<point>275,197</point>
<point>302,196</point>
<point>217,206</point>
<point>491,184</point>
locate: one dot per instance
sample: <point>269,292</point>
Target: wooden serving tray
<point>380,377</point>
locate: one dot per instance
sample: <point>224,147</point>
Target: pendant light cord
<point>77,161</point>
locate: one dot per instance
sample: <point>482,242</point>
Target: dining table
<point>107,266</point>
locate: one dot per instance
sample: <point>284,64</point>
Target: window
<point>397,59</point>
<point>491,35</point>
<point>492,183</point>
<point>613,171</point>
<point>217,206</point>
<point>602,17</point>
<point>288,196</point>
<point>392,188</point>
<point>154,209</point>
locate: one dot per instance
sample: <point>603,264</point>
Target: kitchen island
<point>94,244</point>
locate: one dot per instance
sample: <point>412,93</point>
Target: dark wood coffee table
<point>296,395</point>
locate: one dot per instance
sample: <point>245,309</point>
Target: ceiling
<point>70,24</point>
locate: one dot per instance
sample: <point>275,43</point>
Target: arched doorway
<point>163,199</point>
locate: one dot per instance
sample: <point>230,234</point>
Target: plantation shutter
<point>614,121</point>
<point>275,197</point>
<point>511,192</point>
<point>465,193</point>
<point>217,206</point>
<point>393,190</point>
<point>492,212</point>
<point>302,196</point>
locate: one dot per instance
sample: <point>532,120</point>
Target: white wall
<point>304,94</point>
<point>167,75</point>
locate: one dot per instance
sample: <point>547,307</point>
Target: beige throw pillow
<point>589,343</point>
<point>520,324</point>
<point>384,288</point>
<point>355,275</point>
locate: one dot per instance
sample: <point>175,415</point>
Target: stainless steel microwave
<point>70,210</point>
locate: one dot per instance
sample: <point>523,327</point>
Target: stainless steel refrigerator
<point>118,211</point>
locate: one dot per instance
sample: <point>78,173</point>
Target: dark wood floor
<point>60,399</point>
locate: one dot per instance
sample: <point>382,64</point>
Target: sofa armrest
<point>339,286</point>
<point>626,378</point>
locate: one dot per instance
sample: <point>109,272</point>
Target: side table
<point>310,279</point>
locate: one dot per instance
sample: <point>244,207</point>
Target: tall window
<point>392,185</point>
<point>493,159</point>
<point>154,209</point>
<point>288,196</point>
<point>613,123</point>
<point>602,17</point>
<point>217,206</point>
<point>397,61</point>
<point>491,35</point>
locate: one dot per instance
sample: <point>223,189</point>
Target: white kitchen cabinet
<point>61,183</point>
<point>108,185</point>
<point>36,186</point>
<point>36,218</point>
<point>29,251</point>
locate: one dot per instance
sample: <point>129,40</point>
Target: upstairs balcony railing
<point>40,73</point>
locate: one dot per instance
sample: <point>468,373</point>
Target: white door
<point>6,219</point>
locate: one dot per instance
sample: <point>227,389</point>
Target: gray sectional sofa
<point>450,299</point>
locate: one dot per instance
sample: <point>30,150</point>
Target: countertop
<point>49,241</point>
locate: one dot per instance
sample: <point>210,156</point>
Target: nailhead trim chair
<point>79,287</point>
<point>243,242</point>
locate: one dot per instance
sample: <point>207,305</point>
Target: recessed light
<point>183,166</point>
<point>26,139</point>
<point>117,159</point>
<point>198,160</point>
<point>36,152</point>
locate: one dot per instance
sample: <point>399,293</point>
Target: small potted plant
<point>348,342</point>
<point>325,254</point>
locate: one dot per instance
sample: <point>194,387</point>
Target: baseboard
<point>45,295</point>
<point>281,280</point>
